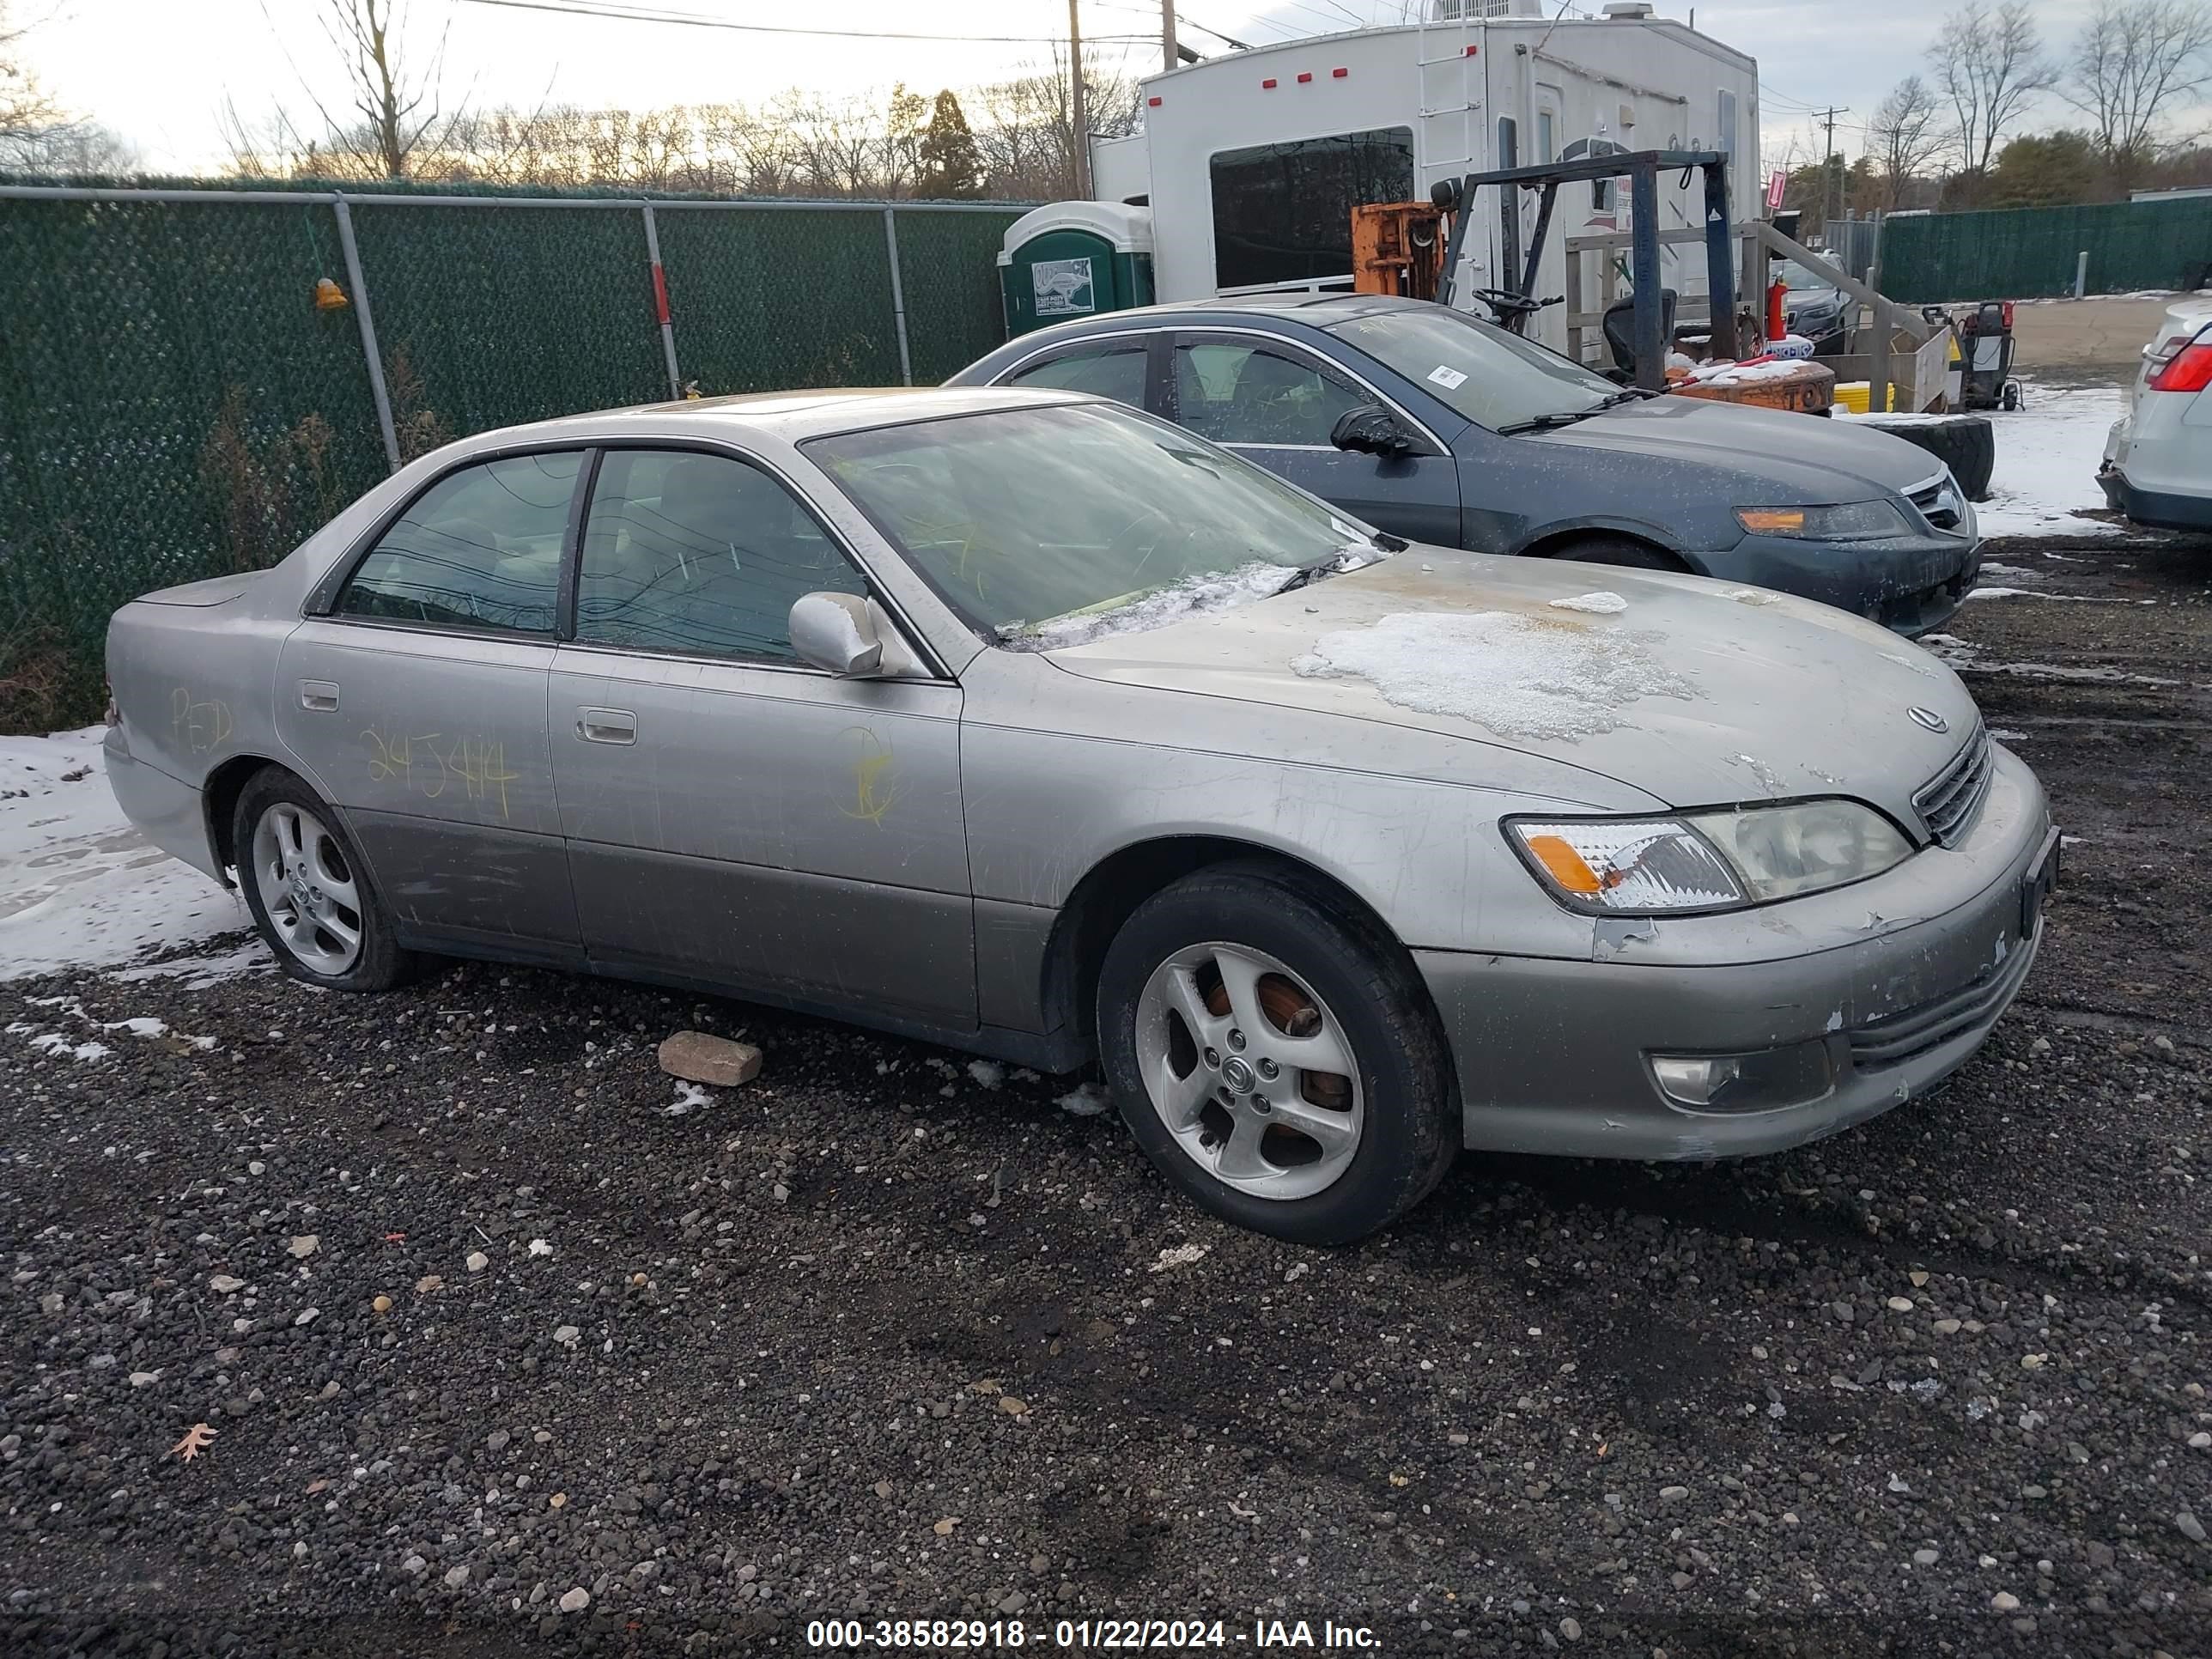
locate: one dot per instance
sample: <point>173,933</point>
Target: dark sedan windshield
<point>1493,378</point>
<point>1022,517</point>
<point>1798,279</point>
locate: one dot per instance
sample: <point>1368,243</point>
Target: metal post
<point>2081,273</point>
<point>1650,326</point>
<point>1078,117</point>
<point>1877,370</point>
<point>361,311</point>
<point>661,303</point>
<point>898,296</point>
<point>1720,276</point>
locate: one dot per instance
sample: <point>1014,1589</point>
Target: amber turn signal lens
<point>1774,521</point>
<point>1564,864</point>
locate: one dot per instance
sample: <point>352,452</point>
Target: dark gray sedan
<point>1441,428</point>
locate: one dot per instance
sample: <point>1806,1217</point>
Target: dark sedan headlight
<point>1707,860</point>
<point>1847,521</point>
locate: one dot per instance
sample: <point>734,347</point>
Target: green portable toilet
<point>1069,260</point>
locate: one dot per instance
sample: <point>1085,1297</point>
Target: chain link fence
<point>2027,253</point>
<point>176,404</point>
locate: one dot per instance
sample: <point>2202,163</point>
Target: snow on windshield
<point>1519,676</point>
<point>1193,596</point>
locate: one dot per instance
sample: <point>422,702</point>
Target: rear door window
<point>480,549</point>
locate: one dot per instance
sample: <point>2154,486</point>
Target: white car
<point>2158,460</point>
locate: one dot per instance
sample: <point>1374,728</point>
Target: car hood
<point>1695,693</point>
<point>1789,459</point>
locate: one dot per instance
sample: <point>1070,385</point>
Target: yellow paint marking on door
<point>872,800</point>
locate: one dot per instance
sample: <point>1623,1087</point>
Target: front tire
<point>1622,550</point>
<point>1276,1055</point>
<point>309,890</point>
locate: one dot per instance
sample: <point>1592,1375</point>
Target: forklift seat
<point>1620,328</point>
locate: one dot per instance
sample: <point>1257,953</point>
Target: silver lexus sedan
<point>1029,724</point>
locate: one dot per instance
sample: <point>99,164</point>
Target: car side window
<point>699,555</point>
<point>1115,372</point>
<point>479,549</point>
<point>1236,393</point>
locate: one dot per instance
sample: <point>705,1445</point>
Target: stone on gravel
<point>225,1283</point>
<point>2190,1527</point>
<point>478,1262</point>
<point>304,1245</point>
<point>1924,1558</point>
<point>456,1577</point>
<point>697,1057</point>
<point>1900,1304</point>
<point>575,1601</point>
<point>2004,1601</point>
<point>1673,1494</point>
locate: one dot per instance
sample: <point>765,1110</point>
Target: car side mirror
<point>833,632</point>
<point>1370,431</point>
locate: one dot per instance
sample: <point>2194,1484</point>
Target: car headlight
<point>1707,860</point>
<point>1848,521</point>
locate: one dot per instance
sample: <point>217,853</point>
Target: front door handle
<point>606,726</point>
<point>321,695</point>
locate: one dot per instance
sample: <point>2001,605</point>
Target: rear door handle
<point>321,695</point>
<point>606,726</point>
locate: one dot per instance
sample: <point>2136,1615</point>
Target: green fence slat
<point>174,405</point>
<point>2025,253</point>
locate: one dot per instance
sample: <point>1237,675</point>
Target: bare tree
<point>2135,60</point>
<point>392,118</point>
<point>26,109</point>
<point>1906,137</point>
<point>1988,61</point>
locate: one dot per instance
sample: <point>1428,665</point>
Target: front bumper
<point>1908,584</point>
<point>1901,978</point>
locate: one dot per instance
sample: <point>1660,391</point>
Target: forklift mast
<point>1643,169</point>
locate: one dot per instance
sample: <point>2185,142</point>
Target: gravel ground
<point>510,1344</point>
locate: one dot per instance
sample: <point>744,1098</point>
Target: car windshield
<point>1493,378</point>
<point>1047,525</point>
<point>1796,277</point>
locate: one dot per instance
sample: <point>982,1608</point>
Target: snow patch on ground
<point>1518,677</point>
<point>2047,455</point>
<point>1194,596</point>
<point>988,1072</point>
<point>1088,1100</point>
<point>79,887</point>
<point>1600,604</point>
<point>198,972</point>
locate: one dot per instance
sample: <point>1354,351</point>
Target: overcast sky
<point>158,71</point>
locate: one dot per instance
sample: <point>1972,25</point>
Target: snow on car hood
<point>1801,460</point>
<point>1695,692</point>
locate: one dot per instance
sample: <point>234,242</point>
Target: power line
<point>606,9</point>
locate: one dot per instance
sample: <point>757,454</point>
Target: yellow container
<point>1858,395</point>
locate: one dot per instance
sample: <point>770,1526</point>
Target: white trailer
<point>1251,162</point>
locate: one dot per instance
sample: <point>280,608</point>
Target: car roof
<point>1318,310</point>
<point>788,416</point>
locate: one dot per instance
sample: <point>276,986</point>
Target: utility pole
<point>1831,182</point>
<point>1079,159</point>
<point>1167,35</point>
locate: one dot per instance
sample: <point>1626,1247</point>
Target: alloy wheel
<point>1249,1071</point>
<point>307,888</point>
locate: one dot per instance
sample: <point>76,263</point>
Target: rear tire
<point>1276,1055</point>
<point>309,890</point>
<point>1622,550</point>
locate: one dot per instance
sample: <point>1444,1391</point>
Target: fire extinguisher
<point>1777,324</point>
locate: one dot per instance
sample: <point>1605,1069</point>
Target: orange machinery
<point>1398,247</point>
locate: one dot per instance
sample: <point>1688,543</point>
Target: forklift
<point>1640,335</point>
